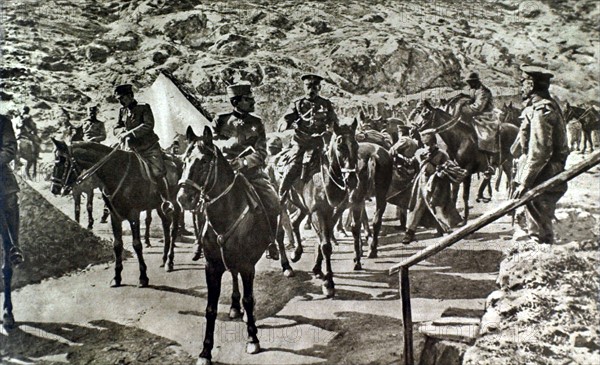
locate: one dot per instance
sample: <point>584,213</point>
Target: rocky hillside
<point>72,52</point>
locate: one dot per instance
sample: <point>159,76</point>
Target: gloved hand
<point>237,163</point>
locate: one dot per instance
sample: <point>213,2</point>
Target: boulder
<point>159,57</point>
<point>373,18</point>
<point>97,53</point>
<point>128,42</point>
<point>317,26</point>
<point>187,28</point>
<point>436,352</point>
<point>233,45</point>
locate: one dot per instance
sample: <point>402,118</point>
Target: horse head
<point>343,152</point>
<point>65,171</point>
<point>204,166</point>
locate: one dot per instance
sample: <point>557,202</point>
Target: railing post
<point>406,316</point>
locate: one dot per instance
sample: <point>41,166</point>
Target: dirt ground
<point>79,319</point>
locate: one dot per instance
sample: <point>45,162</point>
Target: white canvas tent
<point>174,108</point>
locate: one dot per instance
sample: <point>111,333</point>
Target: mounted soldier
<point>477,110</point>
<point>312,117</point>
<point>135,128</point>
<point>244,135</point>
<point>543,150</point>
<point>28,130</point>
<point>93,129</point>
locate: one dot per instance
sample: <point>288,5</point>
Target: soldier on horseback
<point>136,127</point>
<point>28,130</point>
<point>543,147</point>
<point>93,129</point>
<point>248,151</point>
<point>311,117</point>
<point>477,110</point>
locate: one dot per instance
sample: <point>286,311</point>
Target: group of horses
<point>345,175</point>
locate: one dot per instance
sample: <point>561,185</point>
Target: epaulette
<point>255,116</point>
<point>543,104</point>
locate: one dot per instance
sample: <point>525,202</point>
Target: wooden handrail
<point>500,211</point>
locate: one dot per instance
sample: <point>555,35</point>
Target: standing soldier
<point>28,130</point>
<point>136,127</point>
<point>310,117</point>
<point>9,211</point>
<point>543,144</point>
<point>93,129</point>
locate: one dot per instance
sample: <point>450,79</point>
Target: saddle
<point>311,164</point>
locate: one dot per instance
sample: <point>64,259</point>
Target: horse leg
<point>90,209</point>
<point>8,320</point>
<point>148,222</point>
<point>285,264</point>
<point>499,179</point>
<point>299,250</point>
<point>235,311</point>
<point>356,212</point>
<point>134,223</point>
<point>214,273</point>
<point>364,219</point>
<point>381,203</point>
<point>328,286</point>
<point>169,224</point>
<point>252,345</point>
<point>481,189</point>
<point>117,248</point>
<point>316,270</point>
<point>286,225</point>
<point>466,188</point>
<point>454,188</point>
<point>105,214</point>
<point>77,201</point>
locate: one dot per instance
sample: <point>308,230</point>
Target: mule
<point>589,119</point>
<point>462,146</point>
<point>126,193</point>
<point>236,234</point>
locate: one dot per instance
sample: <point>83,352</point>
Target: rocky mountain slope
<point>72,52</point>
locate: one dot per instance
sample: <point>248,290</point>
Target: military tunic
<point>543,138</point>
<point>479,113</point>
<point>248,130</point>
<point>143,140</point>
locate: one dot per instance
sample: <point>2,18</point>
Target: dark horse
<point>127,191</point>
<point>238,231</point>
<point>462,145</point>
<point>325,195</point>
<point>589,119</point>
<point>28,151</point>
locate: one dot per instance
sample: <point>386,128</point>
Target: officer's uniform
<point>9,188</point>
<point>143,140</point>
<point>246,131</point>
<point>308,117</point>
<point>93,129</point>
<point>543,139</point>
<point>28,130</point>
<point>479,113</point>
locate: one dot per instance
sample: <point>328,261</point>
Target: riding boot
<point>197,254</point>
<point>165,194</point>
<point>10,231</point>
<point>288,180</point>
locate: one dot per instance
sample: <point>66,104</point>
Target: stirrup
<point>167,207</point>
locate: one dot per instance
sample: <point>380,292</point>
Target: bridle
<point>343,185</point>
<point>70,167</point>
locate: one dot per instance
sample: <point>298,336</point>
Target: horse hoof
<point>235,313</point>
<point>203,361</point>
<point>357,266</point>
<point>116,283</point>
<point>8,320</point>
<point>162,265</point>
<point>327,291</point>
<point>168,268</point>
<point>296,255</point>
<point>372,254</point>
<point>318,274</point>
<point>252,348</point>
<point>148,245</point>
<point>143,283</point>
<point>289,273</point>
<point>90,226</point>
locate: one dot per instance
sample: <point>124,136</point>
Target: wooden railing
<point>459,234</point>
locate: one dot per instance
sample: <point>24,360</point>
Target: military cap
<point>395,121</point>
<point>25,108</point>
<point>124,89</point>
<point>473,76</point>
<point>243,88</point>
<point>93,108</point>
<point>537,72</point>
<point>311,76</point>
<point>404,128</point>
<point>428,134</point>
